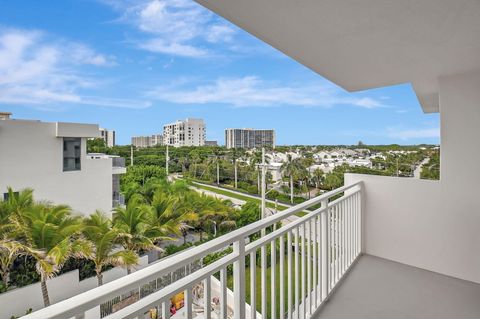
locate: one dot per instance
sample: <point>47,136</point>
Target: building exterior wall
<point>32,156</point>
<point>249,138</point>
<point>211,143</point>
<point>60,288</point>
<point>189,132</point>
<point>147,141</point>
<point>108,136</point>
<point>434,224</point>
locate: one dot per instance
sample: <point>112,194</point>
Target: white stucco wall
<point>434,225</point>
<point>32,156</point>
<point>59,288</point>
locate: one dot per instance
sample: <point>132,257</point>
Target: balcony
<point>307,256</point>
<point>318,261</point>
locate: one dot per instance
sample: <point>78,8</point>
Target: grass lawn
<point>269,287</point>
<point>244,198</point>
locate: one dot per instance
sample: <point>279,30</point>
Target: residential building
<point>52,159</point>
<point>147,141</point>
<point>249,138</point>
<point>383,247</point>
<point>211,143</point>
<point>188,132</point>
<point>108,136</point>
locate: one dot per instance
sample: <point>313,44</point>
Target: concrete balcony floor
<point>378,288</point>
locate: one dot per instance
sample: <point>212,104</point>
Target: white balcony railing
<point>313,253</point>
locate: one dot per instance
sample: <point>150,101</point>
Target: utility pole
<point>218,172</point>
<point>397,166</point>
<point>166,161</point>
<point>131,155</point>
<point>235,166</point>
<point>263,183</point>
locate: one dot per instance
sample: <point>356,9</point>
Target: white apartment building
<point>52,159</point>
<point>147,141</point>
<point>189,132</point>
<point>249,138</point>
<point>108,136</point>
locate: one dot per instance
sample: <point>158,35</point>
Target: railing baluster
<point>304,273</point>
<point>313,225</point>
<point>273,292</point>
<point>263,265</point>
<point>319,256</point>
<point>207,297</point>
<point>166,309</point>
<point>337,239</point>
<point>188,303</point>
<point>334,252</point>
<point>223,293</point>
<point>360,240</point>
<point>347,232</point>
<point>325,225</point>
<point>352,228</point>
<point>343,237</point>
<point>308,301</point>
<point>239,279</point>
<point>281,276</point>
<point>289,274</point>
<point>297,270</point>
<point>253,285</point>
<point>356,225</point>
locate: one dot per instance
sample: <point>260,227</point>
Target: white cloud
<point>82,54</point>
<point>160,46</point>
<point>219,33</point>
<point>250,91</point>
<point>407,134</point>
<point>39,71</point>
<point>174,27</point>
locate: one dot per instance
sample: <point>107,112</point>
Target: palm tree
<point>290,168</point>
<point>136,220</point>
<point>16,203</point>
<point>105,239</point>
<point>235,155</point>
<point>169,214</point>
<point>10,247</point>
<point>195,159</point>
<point>317,177</point>
<point>209,211</point>
<point>10,250</point>
<point>53,231</point>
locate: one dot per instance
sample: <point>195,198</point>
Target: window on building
<point>6,195</point>
<point>71,153</point>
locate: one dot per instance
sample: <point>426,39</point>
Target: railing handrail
<point>92,298</point>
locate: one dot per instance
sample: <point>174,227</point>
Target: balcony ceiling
<point>367,44</point>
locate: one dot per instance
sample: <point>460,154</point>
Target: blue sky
<point>134,65</point>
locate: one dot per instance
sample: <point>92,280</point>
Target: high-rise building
<point>189,132</point>
<point>147,141</point>
<point>211,143</point>
<point>108,136</point>
<point>249,138</point>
